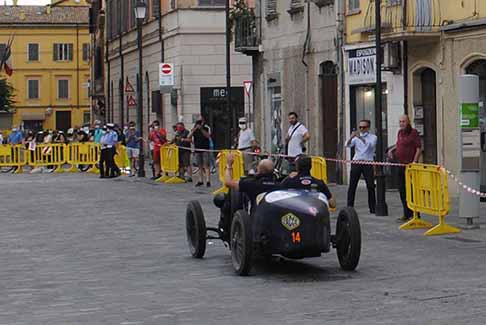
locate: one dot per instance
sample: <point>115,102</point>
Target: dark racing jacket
<point>306,182</point>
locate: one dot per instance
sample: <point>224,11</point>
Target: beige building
<point>188,34</point>
<point>295,65</point>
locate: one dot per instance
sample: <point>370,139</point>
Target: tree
<point>6,96</point>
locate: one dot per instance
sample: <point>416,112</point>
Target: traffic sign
<point>129,88</point>
<point>166,77</point>
<point>131,101</point>
<point>248,84</point>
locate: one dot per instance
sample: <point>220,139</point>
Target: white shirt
<point>245,139</point>
<point>295,146</point>
<point>366,150</point>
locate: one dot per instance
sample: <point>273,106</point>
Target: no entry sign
<point>166,77</point>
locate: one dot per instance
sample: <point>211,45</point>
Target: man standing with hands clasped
<point>364,144</point>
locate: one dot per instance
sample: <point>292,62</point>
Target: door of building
<point>479,68</point>
<point>218,117</point>
<point>63,120</point>
<point>430,116</point>
<point>329,116</point>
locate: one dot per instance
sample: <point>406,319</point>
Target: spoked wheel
<point>348,239</point>
<point>196,229</point>
<point>241,243</point>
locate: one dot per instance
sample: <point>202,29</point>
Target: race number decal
<point>296,237</point>
<point>290,221</point>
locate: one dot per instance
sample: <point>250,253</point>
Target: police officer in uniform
<point>302,179</point>
<point>105,153</point>
<point>112,141</point>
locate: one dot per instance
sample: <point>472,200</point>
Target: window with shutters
<point>63,89</point>
<point>296,6</point>
<point>155,8</point>
<point>63,52</point>
<point>3,47</point>
<point>353,6</point>
<point>33,89</point>
<point>86,52</point>
<point>33,52</point>
<point>271,10</point>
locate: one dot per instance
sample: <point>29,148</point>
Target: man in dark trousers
<point>364,144</point>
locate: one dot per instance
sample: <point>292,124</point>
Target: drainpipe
<point>304,53</point>
<point>341,91</point>
<point>77,67</point>
<point>405,59</point>
<point>122,73</point>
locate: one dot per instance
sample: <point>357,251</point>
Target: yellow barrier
<point>12,156</point>
<point>427,192</point>
<point>169,163</point>
<point>121,157</point>
<point>319,168</point>
<point>87,153</point>
<point>48,154</point>
<point>238,168</point>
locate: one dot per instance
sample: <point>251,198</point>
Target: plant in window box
<point>239,12</point>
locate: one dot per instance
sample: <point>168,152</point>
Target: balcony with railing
<point>404,19</point>
<point>246,35</point>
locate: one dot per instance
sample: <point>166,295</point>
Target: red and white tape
<point>357,162</point>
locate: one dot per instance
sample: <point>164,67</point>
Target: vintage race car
<point>292,223</point>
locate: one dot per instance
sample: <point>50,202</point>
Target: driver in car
<point>263,181</point>
<point>302,179</point>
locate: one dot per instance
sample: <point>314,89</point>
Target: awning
<point>33,117</point>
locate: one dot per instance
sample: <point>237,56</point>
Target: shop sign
<point>362,66</point>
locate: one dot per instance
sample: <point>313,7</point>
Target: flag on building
<point>6,59</point>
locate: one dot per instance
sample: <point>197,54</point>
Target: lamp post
<point>231,111</point>
<point>381,207</point>
<point>140,12</point>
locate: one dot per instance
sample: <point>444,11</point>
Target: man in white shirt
<point>246,141</point>
<point>364,144</point>
<point>297,136</point>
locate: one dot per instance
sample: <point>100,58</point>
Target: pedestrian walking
<point>246,142</point>
<point>364,144</point>
<point>407,150</point>
<point>183,141</point>
<point>132,137</point>
<point>201,134</point>
<point>297,136</point>
<point>158,136</point>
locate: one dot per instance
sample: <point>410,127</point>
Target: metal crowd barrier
<point>12,156</point>
<point>319,168</point>
<point>169,163</point>
<point>428,193</point>
<point>238,168</point>
<point>51,155</point>
<point>87,153</point>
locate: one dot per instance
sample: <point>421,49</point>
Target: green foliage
<point>6,96</point>
<point>239,9</point>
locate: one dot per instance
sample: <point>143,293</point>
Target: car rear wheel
<point>196,229</point>
<point>241,243</point>
<point>348,239</point>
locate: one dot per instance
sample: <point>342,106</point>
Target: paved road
<point>75,249</point>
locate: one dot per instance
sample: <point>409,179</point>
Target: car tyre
<point>241,243</point>
<point>196,229</point>
<point>348,239</point>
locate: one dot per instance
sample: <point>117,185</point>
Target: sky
<point>28,2</point>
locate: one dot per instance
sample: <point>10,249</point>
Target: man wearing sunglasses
<point>364,144</point>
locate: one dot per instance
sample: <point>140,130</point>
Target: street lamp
<point>140,12</point>
<point>381,207</point>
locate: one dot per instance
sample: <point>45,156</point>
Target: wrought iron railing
<point>405,16</point>
<point>246,36</point>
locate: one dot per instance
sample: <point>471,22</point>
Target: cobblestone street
<point>75,249</point>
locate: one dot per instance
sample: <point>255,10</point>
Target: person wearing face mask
<point>132,138</point>
<point>15,137</point>
<point>364,144</point>
<point>158,136</point>
<point>183,141</point>
<point>97,132</point>
<point>246,141</point>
